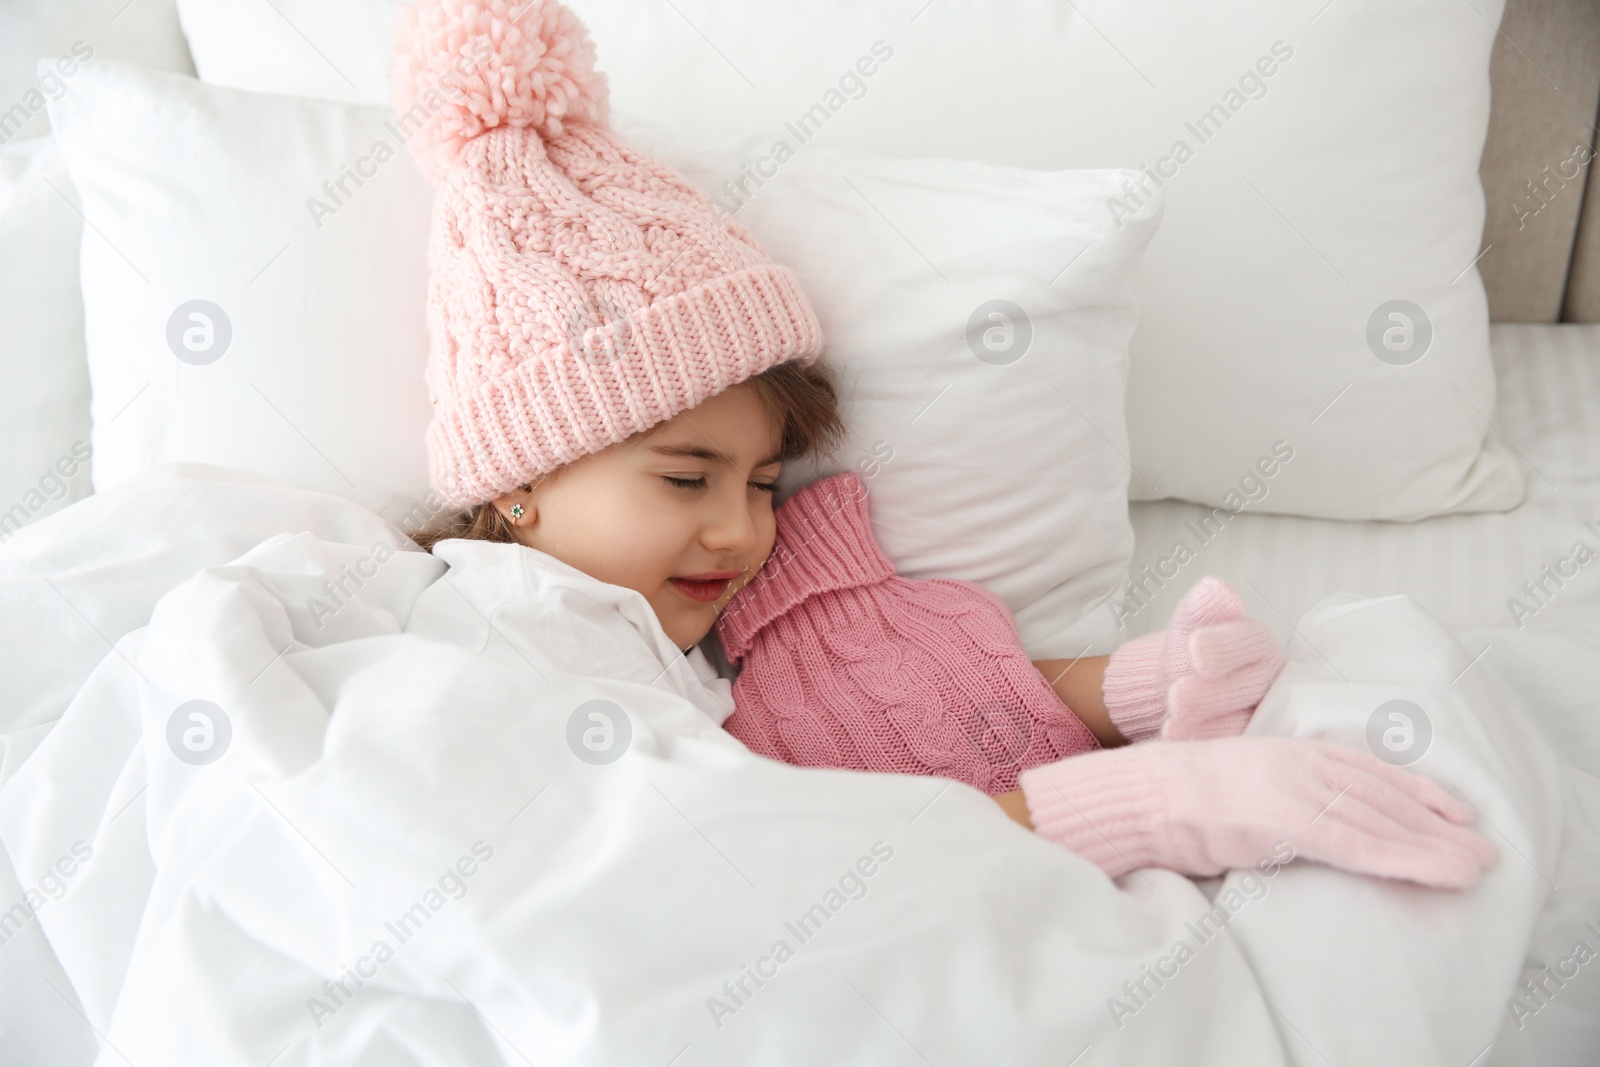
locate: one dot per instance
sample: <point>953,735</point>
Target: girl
<point>618,375</point>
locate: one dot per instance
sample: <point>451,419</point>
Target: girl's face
<point>682,513</point>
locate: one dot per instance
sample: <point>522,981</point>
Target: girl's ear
<point>517,507</point>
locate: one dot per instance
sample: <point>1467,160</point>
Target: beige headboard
<point>1542,229</point>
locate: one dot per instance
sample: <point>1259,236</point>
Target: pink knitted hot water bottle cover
<point>845,664</point>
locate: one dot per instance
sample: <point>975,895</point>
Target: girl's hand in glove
<point>1201,677</point>
<point>1204,807</point>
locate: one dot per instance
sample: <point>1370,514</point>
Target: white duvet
<point>424,842</point>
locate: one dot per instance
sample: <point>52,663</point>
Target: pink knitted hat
<point>580,290</point>
<point>846,664</point>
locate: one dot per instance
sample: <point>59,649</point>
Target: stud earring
<point>516,511</point>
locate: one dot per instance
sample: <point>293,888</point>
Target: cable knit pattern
<point>580,291</point>
<point>846,664</point>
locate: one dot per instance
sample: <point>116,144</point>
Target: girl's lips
<point>703,591</point>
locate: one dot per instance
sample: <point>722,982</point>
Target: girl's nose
<point>733,527</point>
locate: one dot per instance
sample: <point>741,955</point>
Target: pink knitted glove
<point>1200,677</point>
<point>1208,806</point>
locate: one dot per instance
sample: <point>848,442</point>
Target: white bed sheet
<point>1462,568</point>
<point>1424,1004</point>
<point>1553,666</point>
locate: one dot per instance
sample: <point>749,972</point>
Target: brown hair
<point>803,398</point>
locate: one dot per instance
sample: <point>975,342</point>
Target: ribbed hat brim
<point>664,359</point>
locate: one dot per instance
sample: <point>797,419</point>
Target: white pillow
<point>1342,181</point>
<point>1011,474</point>
<point>69,32</point>
<point>978,318</point>
<point>221,232</point>
<point>334,50</point>
<point>1347,184</point>
<point>44,382</point>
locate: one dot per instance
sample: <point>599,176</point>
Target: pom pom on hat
<point>471,65</point>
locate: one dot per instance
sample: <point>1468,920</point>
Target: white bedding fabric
<point>1553,665</point>
<point>425,724</point>
<point>1462,568</point>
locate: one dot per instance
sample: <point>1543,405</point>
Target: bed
<point>1513,584</point>
<point>1549,394</point>
<point>208,924</point>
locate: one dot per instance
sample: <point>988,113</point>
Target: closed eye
<point>700,483</point>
